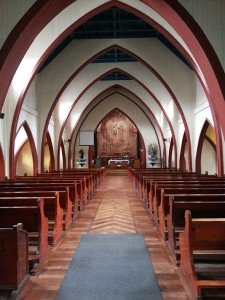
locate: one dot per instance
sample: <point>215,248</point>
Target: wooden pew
<point>202,248</point>
<point>145,180</point>
<point>36,223</point>
<point>64,198</point>
<point>14,270</point>
<point>89,178</point>
<point>47,185</point>
<point>97,173</point>
<point>52,209</point>
<point>162,208</point>
<point>135,173</point>
<point>201,206</point>
<point>176,184</point>
<point>84,185</point>
<point>144,183</point>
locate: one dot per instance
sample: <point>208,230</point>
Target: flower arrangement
<point>153,150</point>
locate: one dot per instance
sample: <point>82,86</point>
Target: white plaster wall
<point>179,140</point>
<point>201,114</point>
<point>209,14</point>
<point>11,11</point>
<point>208,159</point>
<point>200,96</point>
<point>31,118</point>
<point>29,113</point>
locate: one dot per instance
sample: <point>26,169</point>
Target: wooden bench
<point>36,223</point>
<point>70,186</point>
<point>97,173</point>
<point>201,206</point>
<point>64,198</point>
<point>162,204</point>
<point>52,209</point>
<point>176,184</point>
<point>202,249</point>
<point>84,183</point>
<point>144,184</point>
<point>14,269</point>
<point>148,185</point>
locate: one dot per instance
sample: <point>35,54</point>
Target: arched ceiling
<point>169,19</point>
<point>113,23</point>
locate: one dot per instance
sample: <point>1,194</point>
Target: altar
<point>118,163</point>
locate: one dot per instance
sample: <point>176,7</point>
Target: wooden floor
<point>114,208</point>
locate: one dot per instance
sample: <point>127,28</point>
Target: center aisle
<point>114,208</point>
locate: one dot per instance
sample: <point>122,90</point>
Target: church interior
<point>112,122</point>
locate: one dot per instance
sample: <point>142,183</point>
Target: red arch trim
<point>173,12</point>
<point>148,91</point>
<point>147,66</point>
<point>122,91</point>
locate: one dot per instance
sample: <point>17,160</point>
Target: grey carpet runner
<point>110,267</point>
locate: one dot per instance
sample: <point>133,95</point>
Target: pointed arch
<point>27,142</point>
<point>2,164</point>
<point>207,139</point>
<point>139,82</point>
<point>29,139</point>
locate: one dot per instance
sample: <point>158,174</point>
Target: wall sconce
<point>167,139</point>
<point>67,141</point>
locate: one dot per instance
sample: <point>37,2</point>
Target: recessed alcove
<point>117,138</point>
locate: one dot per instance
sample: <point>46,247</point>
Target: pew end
<point>14,273</point>
<point>202,248</point>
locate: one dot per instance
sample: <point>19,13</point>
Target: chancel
<point>112,135</point>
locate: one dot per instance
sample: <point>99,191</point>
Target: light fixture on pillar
<point>67,141</point>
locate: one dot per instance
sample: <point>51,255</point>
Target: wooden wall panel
<point>117,136</point>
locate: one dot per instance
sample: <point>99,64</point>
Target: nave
<point>114,208</point>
